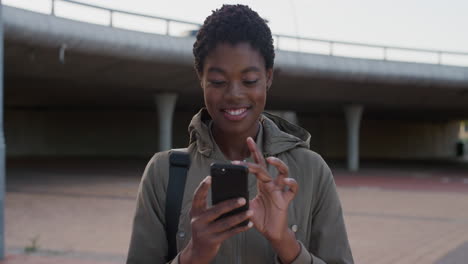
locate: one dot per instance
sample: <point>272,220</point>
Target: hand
<point>270,206</point>
<point>208,234</point>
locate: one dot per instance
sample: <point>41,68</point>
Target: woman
<point>295,215</point>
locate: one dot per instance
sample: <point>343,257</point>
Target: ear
<point>200,79</point>
<point>269,75</point>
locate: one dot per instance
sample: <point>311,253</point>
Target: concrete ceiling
<point>35,77</point>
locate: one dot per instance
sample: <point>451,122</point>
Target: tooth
<point>236,111</point>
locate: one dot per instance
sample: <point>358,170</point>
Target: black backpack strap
<point>179,163</point>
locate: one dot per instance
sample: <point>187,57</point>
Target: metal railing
<point>384,50</point>
<point>112,12</point>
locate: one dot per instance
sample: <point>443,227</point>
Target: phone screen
<point>229,181</point>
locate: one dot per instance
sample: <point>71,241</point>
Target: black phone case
<point>230,181</point>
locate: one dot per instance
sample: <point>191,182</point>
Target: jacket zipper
<point>238,251</point>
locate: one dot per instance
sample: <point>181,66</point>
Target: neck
<point>234,146</point>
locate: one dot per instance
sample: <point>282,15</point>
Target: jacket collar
<point>278,134</point>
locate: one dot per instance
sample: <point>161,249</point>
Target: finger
<point>260,172</point>
<point>257,155</point>
<point>283,170</point>
<point>230,222</point>
<point>199,197</point>
<point>231,232</point>
<point>223,207</point>
<point>292,188</point>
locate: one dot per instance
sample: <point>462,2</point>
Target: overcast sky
<point>432,24</point>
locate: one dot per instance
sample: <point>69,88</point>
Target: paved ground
<point>81,211</point>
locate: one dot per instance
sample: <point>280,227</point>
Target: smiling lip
<point>235,114</point>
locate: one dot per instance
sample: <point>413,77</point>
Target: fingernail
<point>241,201</point>
<point>249,213</point>
<point>236,162</point>
<point>208,179</point>
<point>250,224</point>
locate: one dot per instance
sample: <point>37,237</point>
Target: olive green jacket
<point>315,214</point>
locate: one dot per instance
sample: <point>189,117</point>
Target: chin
<point>237,127</point>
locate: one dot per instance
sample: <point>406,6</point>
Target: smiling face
<point>234,82</point>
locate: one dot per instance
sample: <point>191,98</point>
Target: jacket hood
<point>279,135</point>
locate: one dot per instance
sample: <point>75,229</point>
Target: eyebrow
<point>248,69</point>
<point>251,68</point>
<point>216,69</point>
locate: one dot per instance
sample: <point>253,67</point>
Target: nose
<point>235,90</point>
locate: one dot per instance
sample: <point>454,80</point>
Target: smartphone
<point>229,181</point>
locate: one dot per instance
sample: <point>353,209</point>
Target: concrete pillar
<point>353,119</point>
<point>165,104</point>
<point>2,146</point>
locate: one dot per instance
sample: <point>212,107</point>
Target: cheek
<point>211,98</point>
<point>260,97</point>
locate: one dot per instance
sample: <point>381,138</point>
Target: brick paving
<point>81,212</point>
<point>38,259</point>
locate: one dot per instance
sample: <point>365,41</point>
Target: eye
<point>217,83</point>
<point>250,82</point>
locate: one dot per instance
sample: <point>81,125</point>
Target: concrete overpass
<point>75,88</point>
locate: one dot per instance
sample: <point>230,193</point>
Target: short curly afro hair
<point>233,24</point>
